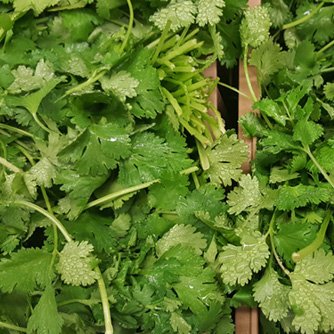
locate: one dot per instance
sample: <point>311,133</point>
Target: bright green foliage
<point>307,132</point>
<point>179,325</point>
<point>272,295</point>
<point>246,196</point>
<point>279,175</point>
<point>122,84</point>
<point>26,269</point>
<point>268,59</point>
<point>292,237</point>
<point>180,14</point>
<point>254,28</point>
<point>209,12</point>
<point>37,6</point>
<point>298,196</point>
<point>45,318</point>
<point>240,262</point>
<point>329,91</point>
<point>43,173</point>
<point>226,159</point>
<point>271,109</point>
<point>75,264</point>
<point>278,11</point>
<point>181,235</point>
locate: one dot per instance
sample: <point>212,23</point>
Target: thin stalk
<point>161,42</point>
<point>189,170</point>
<point>327,70</point>
<point>187,47</point>
<point>105,303</point>
<point>195,178</point>
<point>129,27</point>
<point>249,84</point>
<point>10,166</point>
<point>41,125</point>
<point>300,255</point>
<point>172,101</point>
<point>119,193</point>
<point>271,234</point>
<point>203,156</point>
<point>236,90</point>
<point>13,327</point>
<point>14,129</point>
<point>327,46</point>
<point>191,88</point>
<point>48,215</point>
<point>322,171</point>
<point>304,18</point>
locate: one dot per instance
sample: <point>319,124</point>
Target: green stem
<point>161,42</point>
<point>172,100</point>
<point>304,18</point>
<point>195,178</point>
<point>37,120</point>
<point>249,84</point>
<point>48,215</point>
<point>105,303</point>
<point>327,70</point>
<point>119,193</point>
<point>322,171</point>
<point>236,90</point>
<point>271,234</point>
<point>129,27</point>
<point>129,190</point>
<point>10,166</point>
<point>203,156</point>
<point>13,327</point>
<point>327,46</point>
<point>14,129</point>
<point>185,48</point>
<point>300,255</point>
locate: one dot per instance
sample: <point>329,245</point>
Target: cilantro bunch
<point>283,213</point>
<point>112,212</point>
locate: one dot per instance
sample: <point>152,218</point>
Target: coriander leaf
<point>271,109</point>
<point>279,175</point>
<point>203,199</point>
<point>75,264</point>
<point>278,141</point>
<point>292,237</point>
<point>179,325</point>
<point>38,6</point>
<point>184,235</point>
<point>122,84</point>
<point>307,299</point>
<point>254,27</point>
<point>180,14</point>
<point>252,125</point>
<point>307,132</point>
<point>42,173</point>
<point>272,295</point>
<point>329,91</point>
<point>238,263</point>
<point>24,270</point>
<point>150,157</point>
<point>244,197</point>
<point>225,160</point>
<point>290,197</point>
<point>279,12</point>
<point>268,59</point>
<point>317,268</point>
<point>209,12</point>
<point>324,156</point>
<point>98,149</point>
<point>26,80</point>
<point>45,318</point>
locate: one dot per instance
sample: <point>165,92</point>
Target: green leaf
<point>279,12</point>
<point>292,237</point>
<point>307,132</point>
<point>25,269</point>
<point>272,296</point>
<point>254,28</point>
<point>38,6</point>
<point>244,197</point>
<point>42,173</point>
<point>278,141</point>
<point>329,91</point>
<point>279,175</point>
<point>240,262</point>
<point>290,198</point>
<point>268,59</point>
<point>45,318</point>
<point>180,14</point>
<point>122,84</point>
<point>317,268</point>
<point>324,156</point>
<point>271,109</point>
<point>226,159</point>
<point>184,235</point>
<point>209,12</point>
<point>75,264</point>
<point>179,325</point>
<point>252,125</point>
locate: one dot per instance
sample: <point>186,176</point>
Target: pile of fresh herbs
<point>123,207</point>
<point>112,211</point>
<point>284,211</point>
